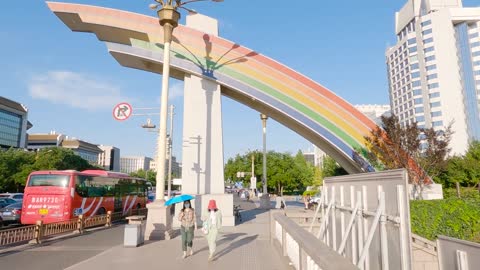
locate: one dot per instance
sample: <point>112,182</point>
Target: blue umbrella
<point>178,199</point>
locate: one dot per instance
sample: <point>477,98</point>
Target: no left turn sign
<point>122,111</point>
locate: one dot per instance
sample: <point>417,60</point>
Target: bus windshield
<point>54,180</point>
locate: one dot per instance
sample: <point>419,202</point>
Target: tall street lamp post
<point>265,200</point>
<point>168,17</point>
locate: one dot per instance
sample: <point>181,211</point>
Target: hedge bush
<point>310,192</point>
<point>465,193</point>
<point>458,218</point>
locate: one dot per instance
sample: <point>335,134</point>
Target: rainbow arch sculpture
<point>301,104</point>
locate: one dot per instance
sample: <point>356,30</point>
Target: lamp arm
<point>180,3</point>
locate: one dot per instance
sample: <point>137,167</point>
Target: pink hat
<point>212,205</point>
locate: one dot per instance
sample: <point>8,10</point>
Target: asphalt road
<point>62,253</point>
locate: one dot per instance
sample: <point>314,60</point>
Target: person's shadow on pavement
<point>235,245</point>
<point>225,239</point>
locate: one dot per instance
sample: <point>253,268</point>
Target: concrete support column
<point>202,156</point>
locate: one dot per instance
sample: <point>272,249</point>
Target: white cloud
<point>75,90</point>
<point>175,91</point>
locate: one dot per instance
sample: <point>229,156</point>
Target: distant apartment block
<point>434,69</point>
<point>176,167</point>
<point>315,157</point>
<point>13,124</point>
<point>374,112</point>
<point>88,151</point>
<point>129,164</point>
<point>109,159</point>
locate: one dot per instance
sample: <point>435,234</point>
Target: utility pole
<point>170,146</point>
<point>265,200</point>
<point>253,182</point>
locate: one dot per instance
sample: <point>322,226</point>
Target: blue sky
<point>70,83</point>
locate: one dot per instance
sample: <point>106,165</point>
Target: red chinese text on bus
<point>53,196</point>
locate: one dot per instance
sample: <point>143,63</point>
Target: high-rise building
<point>132,164</point>
<point>13,124</point>
<point>434,69</point>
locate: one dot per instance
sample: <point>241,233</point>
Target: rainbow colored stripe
<point>292,98</point>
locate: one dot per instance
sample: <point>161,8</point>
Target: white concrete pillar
<point>202,156</point>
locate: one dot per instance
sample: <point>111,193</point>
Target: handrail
<point>316,251</point>
<point>423,241</point>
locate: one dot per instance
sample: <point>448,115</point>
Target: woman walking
<point>211,224</point>
<point>188,226</point>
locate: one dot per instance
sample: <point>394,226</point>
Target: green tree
<point>455,172</point>
<point>421,151</point>
<point>58,158</point>
<point>284,172</point>
<point>304,172</point>
<point>463,169</point>
<point>149,175</point>
<point>317,177</point>
<point>237,164</point>
<point>17,164</point>
<point>331,168</point>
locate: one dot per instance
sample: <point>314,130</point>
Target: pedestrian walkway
<point>245,246</point>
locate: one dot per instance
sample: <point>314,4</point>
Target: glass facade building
<point>13,124</point>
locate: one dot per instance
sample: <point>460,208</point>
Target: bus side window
<point>133,188</point>
<point>80,186</point>
<point>144,189</point>
<point>96,187</point>
<point>109,190</point>
<point>121,188</point>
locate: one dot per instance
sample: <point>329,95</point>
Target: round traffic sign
<point>122,111</point>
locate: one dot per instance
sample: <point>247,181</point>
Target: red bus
<point>53,196</point>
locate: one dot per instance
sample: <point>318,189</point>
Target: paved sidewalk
<point>246,246</point>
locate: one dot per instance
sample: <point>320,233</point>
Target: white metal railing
<point>304,251</point>
<point>359,222</point>
<point>457,254</point>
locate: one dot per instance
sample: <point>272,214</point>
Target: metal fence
<point>16,235</point>
<point>59,227</point>
<point>36,233</point>
<point>365,217</point>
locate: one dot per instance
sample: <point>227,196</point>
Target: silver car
<point>11,213</point>
<point>6,201</point>
<point>14,196</point>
